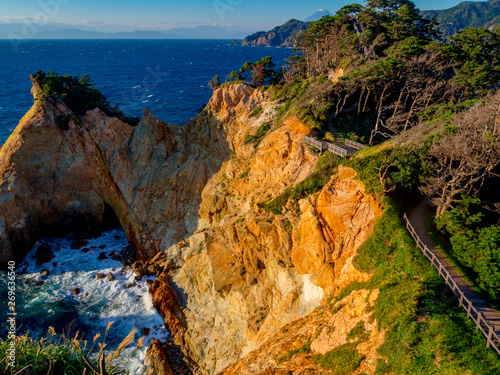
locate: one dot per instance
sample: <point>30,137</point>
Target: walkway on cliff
<point>338,146</point>
<point>481,311</point>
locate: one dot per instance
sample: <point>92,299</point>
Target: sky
<point>125,15</point>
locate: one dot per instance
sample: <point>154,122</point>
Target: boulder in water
<point>78,244</point>
<point>43,255</point>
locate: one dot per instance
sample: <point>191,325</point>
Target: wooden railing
<point>327,146</point>
<point>313,142</point>
<point>493,340</point>
<point>339,150</point>
<point>355,145</point>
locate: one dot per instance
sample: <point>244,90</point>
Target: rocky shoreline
<point>230,274</point>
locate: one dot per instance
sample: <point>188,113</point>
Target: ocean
<point>167,76</point>
<point>170,78</point>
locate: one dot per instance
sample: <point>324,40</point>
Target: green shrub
<point>259,135</point>
<point>475,245</point>
<point>303,349</point>
<point>256,112</point>
<point>343,360</point>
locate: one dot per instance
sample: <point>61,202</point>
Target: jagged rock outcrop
<point>230,274</point>
<point>156,360</point>
<point>55,178</point>
<point>252,272</point>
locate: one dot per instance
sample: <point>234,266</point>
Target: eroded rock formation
<point>230,274</point>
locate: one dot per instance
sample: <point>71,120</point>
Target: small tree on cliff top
<point>78,93</point>
<point>214,83</point>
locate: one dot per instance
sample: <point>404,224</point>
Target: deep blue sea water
<point>167,76</point>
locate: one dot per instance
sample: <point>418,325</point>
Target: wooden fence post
<point>479,316</point>
<point>490,336</point>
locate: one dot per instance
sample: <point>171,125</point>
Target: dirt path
<point>416,218</point>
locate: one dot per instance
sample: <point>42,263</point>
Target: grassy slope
<point>427,332</point>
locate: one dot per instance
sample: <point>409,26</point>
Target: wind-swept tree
<point>214,83</point>
<point>461,160</point>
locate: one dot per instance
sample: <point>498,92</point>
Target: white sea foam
<point>100,301</point>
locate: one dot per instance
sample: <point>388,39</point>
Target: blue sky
<point>247,15</point>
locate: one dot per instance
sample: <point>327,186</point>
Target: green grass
<point>425,333</point>
<point>356,331</point>
<point>309,99</point>
<point>44,357</point>
<point>326,166</point>
<point>260,134</point>
<point>342,360</point>
<point>59,355</point>
<point>256,112</point>
<point>303,349</point>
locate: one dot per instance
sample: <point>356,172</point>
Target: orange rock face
<point>156,360</point>
<point>61,179</point>
<point>332,226</point>
<point>293,347</point>
<point>254,272</point>
<point>231,274</point>
<point>235,98</point>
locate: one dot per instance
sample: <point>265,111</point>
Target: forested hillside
<point>485,14</point>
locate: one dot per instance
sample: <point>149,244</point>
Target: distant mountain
<point>65,31</point>
<point>207,32</point>
<point>484,14</point>
<point>318,15</point>
<point>281,36</point>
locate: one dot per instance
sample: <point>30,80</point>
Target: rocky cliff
<point>59,172</point>
<point>281,36</point>
<point>230,274</point>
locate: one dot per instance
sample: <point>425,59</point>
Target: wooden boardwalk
<point>346,150</point>
<point>486,318</point>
